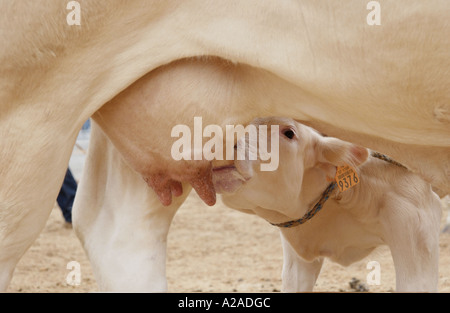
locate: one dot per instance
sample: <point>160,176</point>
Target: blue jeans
<point>67,195</point>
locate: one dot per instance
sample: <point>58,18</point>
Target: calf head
<point>307,163</point>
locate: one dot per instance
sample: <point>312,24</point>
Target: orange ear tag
<point>346,177</point>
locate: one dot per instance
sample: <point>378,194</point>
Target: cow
<point>384,86</point>
<point>384,204</point>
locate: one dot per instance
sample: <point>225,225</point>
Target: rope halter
<point>326,194</point>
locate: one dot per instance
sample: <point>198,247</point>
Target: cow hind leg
<point>413,236</point>
<point>120,221</point>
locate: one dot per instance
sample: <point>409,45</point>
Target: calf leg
<point>298,275</point>
<point>413,236</point>
<point>120,221</point>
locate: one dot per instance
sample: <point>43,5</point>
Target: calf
<point>389,205</point>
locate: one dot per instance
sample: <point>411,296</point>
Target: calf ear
<point>339,153</point>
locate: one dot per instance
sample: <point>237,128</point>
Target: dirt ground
<point>210,249</point>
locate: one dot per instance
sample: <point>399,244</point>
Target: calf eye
<point>288,133</point>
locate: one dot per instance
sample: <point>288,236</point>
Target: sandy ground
<point>210,249</point>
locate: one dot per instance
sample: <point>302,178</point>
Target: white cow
<point>384,86</point>
<point>388,205</point>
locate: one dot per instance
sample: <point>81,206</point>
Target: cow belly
<point>139,121</point>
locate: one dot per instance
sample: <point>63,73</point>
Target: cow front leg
<point>33,163</point>
<point>120,221</point>
<point>298,275</point>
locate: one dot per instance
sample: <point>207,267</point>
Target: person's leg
<point>66,196</point>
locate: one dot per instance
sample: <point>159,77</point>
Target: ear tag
<point>346,177</point>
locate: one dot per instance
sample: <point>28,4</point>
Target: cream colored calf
<point>390,205</point>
